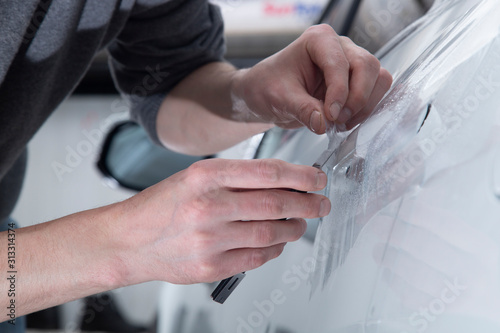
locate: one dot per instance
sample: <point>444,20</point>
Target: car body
<point>413,240</point>
<point>412,243</point>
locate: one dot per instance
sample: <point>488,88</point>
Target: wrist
<point>66,259</point>
<point>98,241</point>
<point>118,245</point>
<point>241,91</point>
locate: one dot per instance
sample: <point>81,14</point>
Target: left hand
<point>319,77</point>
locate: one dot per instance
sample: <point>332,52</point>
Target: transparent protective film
<point>413,240</point>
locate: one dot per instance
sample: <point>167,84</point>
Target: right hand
<point>215,219</point>
<point>319,77</point>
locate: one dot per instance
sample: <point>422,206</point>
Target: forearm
<point>318,79</point>
<point>198,116</point>
<point>57,261</point>
<point>185,229</point>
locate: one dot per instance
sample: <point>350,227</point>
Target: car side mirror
<point>129,159</point>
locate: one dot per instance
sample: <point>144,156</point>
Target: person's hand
<point>215,219</point>
<point>319,76</point>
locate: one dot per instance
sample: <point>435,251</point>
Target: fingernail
<point>315,121</point>
<point>324,208</point>
<point>321,180</point>
<point>344,116</point>
<point>335,110</point>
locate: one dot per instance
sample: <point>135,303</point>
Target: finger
<point>257,234</point>
<point>306,109</point>
<point>272,205</point>
<point>257,174</point>
<point>241,260</point>
<point>384,82</point>
<point>364,69</point>
<point>325,50</point>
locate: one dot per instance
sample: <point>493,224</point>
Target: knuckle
<point>197,173</point>
<point>273,204</point>
<point>346,40</point>
<point>304,108</point>
<point>371,61</point>
<point>207,271</point>
<point>258,258</point>
<point>307,210</point>
<point>303,112</point>
<point>202,243</point>
<point>339,93</point>
<point>366,63</point>
<point>278,250</point>
<point>359,64</point>
<point>202,205</point>
<point>338,63</point>
<point>312,210</point>
<point>265,233</point>
<point>342,62</point>
<point>270,170</point>
<point>320,30</point>
<point>385,79</point>
<point>359,98</point>
<point>372,64</point>
<point>196,211</point>
<point>342,91</point>
<point>232,167</point>
<point>301,228</point>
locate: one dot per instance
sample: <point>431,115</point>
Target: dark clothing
<point>46,46</point>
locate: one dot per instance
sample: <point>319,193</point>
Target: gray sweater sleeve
<point>159,46</point>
